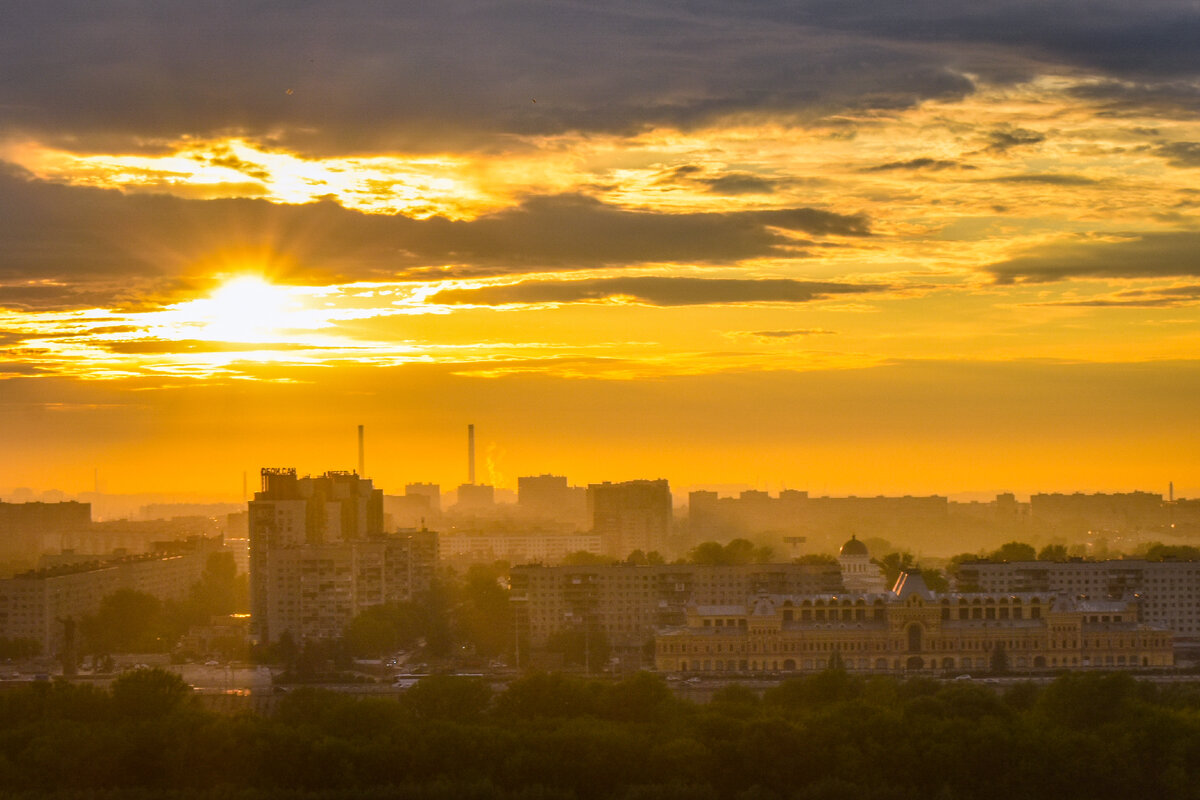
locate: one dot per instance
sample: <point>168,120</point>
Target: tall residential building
<point>29,529</point>
<point>319,555</point>
<point>633,515</point>
<point>548,497</point>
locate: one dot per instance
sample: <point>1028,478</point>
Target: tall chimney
<point>362,459</point>
<point>471,454</point>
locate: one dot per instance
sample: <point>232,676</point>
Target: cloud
<point>783,334</point>
<point>1046,178</point>
<point>1170,99</point>
<point>102,244</point>
<point>1169,297</point>
<point>1180,154</point>
<point>655,291</point>
<point>924,163</point>
<point>1002,140</point>
<point>166,347</point>
<point>361,76</point>
<point>1149,255</point>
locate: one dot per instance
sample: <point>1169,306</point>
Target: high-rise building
<point>430,490</point>
<point>633,515</point>
<point>29,529</point>
<point>319,555</point>
<point>475,497</point>
<point>548,497</point>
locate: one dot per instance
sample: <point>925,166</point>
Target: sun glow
<point>244,309</point>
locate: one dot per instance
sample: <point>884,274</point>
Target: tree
<point>1052,552</point>
<point>935,580</point>
<point>893,564</point>
<point>582,648</point>
<point>448,697</point>
<point>738,551</point>
<point>484,615</point>
<point>149,693</point>
<point>1014,551</point>
<point>127,621</point>
<point>1158,551</point>
<point>379,630</point>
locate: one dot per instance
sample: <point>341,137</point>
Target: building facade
<point>35,604</point>
<point>1168,591</point>
<point>630,603</point>
<point>633,515</point>
<point>319,555</point>
<point>911,630</point>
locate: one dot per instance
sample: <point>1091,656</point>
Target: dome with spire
<point>854,548</point>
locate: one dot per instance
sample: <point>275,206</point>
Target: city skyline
<point>837,247</point>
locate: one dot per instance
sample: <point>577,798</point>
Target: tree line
<point>827,736</point>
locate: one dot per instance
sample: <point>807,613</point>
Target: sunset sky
<point>849,247</point>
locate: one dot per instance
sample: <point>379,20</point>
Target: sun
<point>245,308</point>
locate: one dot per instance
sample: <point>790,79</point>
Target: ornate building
<point>911,629</point>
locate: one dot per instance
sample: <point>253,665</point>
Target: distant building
<point>475,497</point>
<point>629,603</point>
<point>859,573</point>
<point>820,519</point>
<point>33,605</point>
<point>319,555</point>
<point>524,547</point>
<point>1082,512</point>
<point>1169,591</point>
<point>549,497</point>
<point>634,515</point>
<point>910,630</point>
<point>431,490</point>
<point>29,529</point>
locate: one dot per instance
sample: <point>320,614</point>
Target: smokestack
<point>1171,491</point>
<point>362,458</point>
<point>471,454</point>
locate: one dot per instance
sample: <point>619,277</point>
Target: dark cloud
<point>361,75</point>
<point>736,183</point>
<point>1002,140</point>
<point>1150,255</point>
<point>655,291</point>
<point>1180,154</point>
<point>1046,178</point>
<point>932,164</point>
<point>1171,99</point>
<point>105,245</point>
<point>728,183</point>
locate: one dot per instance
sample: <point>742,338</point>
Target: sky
<point>848,247</point>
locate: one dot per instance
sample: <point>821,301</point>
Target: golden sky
<point>834,247</point>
